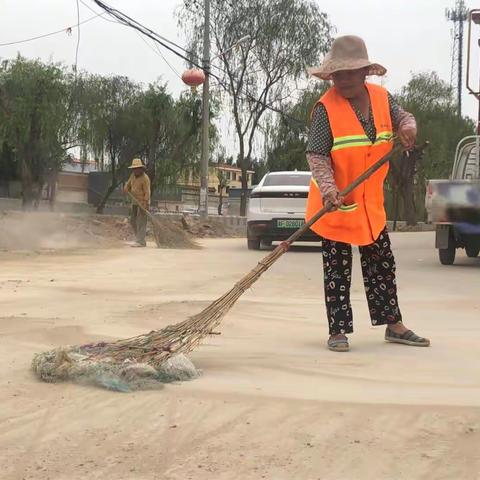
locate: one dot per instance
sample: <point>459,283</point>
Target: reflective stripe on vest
<point>360,140</point>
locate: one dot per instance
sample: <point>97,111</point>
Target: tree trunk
<point>243,197</point>
<point>27,196</point>
<point>52,190</point>
<point>241,161</point>
<point>409,203</point>
<point>395,207</point>
<point>396,181</point>
<point>220,202</point>
<point>37,194</point>
<point>27,185</point>
<point>103,202</point>
<point>113,183</point>
<point>151,171</point>
<point>28,155</point>
<point>408,189</point>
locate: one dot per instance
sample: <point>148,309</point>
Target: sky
<point>404,35</point>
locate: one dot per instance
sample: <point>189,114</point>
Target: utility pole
<point>458,16</point>
<point>205,114</point>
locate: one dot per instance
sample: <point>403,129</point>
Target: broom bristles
<point>121,365</point>
<point>159,345</point>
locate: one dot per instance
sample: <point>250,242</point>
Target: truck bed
<point>457,200</point>
<point>453,201</point>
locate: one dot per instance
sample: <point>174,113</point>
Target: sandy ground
<point>272,403</point>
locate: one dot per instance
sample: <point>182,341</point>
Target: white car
<point>277,208</point>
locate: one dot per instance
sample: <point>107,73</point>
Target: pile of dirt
<point>46,230</point>
<point>170,231</point>
<point>211,228</point>
<point>171,234</point>
<point>51,230</point>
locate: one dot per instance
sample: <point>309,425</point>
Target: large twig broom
<point>155,224</point>
<point>171,237</point>
<point>115,364</point>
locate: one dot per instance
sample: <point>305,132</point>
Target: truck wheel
<point>446,255</point>
<point>472,251</point>
<point>253,243</point>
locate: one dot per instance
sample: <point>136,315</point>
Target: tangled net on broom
<point>146,361</point>
<point>76,364</point>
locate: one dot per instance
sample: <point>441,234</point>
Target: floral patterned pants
<point>378,267</point>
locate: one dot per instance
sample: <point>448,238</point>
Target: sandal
<point>338,344</point>
<point>407,338</point>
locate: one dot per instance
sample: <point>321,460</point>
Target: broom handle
<point>326,208</point>
<point>141,207</point>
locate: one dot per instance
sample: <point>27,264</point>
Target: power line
<point>63,30</point>
<point>154,48</point>
<point>166,61</point>
<point>85,4</point>
<point>158,52</point>
<point>130,22</point>
<point>127,21</point>
<point>77,26</point>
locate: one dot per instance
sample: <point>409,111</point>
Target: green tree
<point>286,138</point>
<point>45,111</point>
<point>122,120</point>
<point>114,132</point>
<point>281,37</point>
<point>175,128</point>
<point>431,101</point>
<point>36,128</point>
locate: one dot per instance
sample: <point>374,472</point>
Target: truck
<point>453,204</point>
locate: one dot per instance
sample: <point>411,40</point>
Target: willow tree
<point>111,125</point>
<point>36,121</point>
<point>121,120</point>
<point>280,38</point>
<point>171,134</point>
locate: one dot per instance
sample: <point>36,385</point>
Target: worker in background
<point>139,186</point>
<point>352,128</point>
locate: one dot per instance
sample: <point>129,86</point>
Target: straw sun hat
<point>347,53</point>
<point>137,163</point>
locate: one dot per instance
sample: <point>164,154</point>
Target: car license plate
<point>290,223</point>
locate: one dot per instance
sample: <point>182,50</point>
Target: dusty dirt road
<point>272,403</point>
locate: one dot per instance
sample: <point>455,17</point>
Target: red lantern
<point>193,78</point>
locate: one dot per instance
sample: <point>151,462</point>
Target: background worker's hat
<point>347,53</point>
<point>137,163</point>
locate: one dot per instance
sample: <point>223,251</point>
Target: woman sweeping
<point>352,128</point>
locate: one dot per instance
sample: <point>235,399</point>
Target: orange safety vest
<point>363,216</point>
